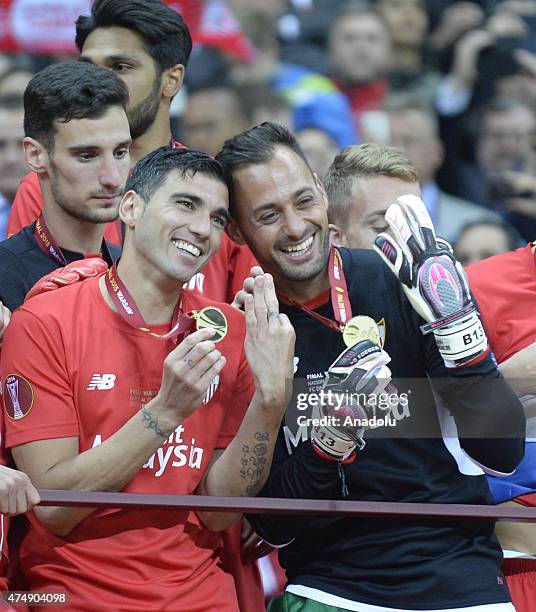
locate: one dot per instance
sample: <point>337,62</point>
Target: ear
<point>337,237</point>
<point>234,233</point>
<point>172,79</point>
<point>131,208</point>
<point>35,155</point>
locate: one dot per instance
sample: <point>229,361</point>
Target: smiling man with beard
<point>279,207</point>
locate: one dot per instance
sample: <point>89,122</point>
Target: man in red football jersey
<point>99,395</point>
<point>505,287</point>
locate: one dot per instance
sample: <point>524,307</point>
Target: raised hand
<point>433,281</point>
<point>348,399</point>
<point>188,372</point>
<point>269,344</point>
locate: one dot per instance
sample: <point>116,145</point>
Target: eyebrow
<point>118,57</point>
<point>197,200</point>
<point>268,205</point>
<point>85,147</point>
<point>376,213</point>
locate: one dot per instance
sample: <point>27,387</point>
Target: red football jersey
<point>219,280</point>
<point>505,288</point>
<point>73,367</point>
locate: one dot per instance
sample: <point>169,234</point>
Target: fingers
<point>247,289</point>
<point>259,302</point>
<point>393,257</point>
<point>17,494</point>
<point>419,220</point>
<point>402,232</point>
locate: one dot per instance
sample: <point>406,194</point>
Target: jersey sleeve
<point>36,393</point>
<point>27,204</point>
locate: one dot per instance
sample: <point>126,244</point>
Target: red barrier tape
<point>264,505</point>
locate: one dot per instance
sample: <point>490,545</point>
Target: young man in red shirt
<point>98,395</point>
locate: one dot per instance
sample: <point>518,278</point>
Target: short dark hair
<point>166,36</point>
<point>257,146</point>
<point>513,237</point>
<point>72,90</point>
<point>151,171</point>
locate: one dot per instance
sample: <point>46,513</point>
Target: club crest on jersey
<point>18,396</point>
<point>210,316</point>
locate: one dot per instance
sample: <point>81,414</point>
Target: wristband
<point>462,340</point>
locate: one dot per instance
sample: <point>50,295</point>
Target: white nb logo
<point>101,382</point>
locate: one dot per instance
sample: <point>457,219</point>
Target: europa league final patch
<point>18,396</point>
<point>210,316</point>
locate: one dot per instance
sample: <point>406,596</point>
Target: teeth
<point>186,246</point>
<point>299,248</point>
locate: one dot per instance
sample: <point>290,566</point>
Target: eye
<point>219,221</point>
<point>305,202</point>
<point>121,153</point>
<point>185,204</point>
<point>269,217</point>
<point>378,230</point>
<point>121,67</point>
<point>85,156</point>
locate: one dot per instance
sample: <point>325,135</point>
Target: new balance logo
<point>101,382</point>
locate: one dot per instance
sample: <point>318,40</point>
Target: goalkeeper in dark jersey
<point>350,432</point>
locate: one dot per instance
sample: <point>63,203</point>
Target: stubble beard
<point>143,115</point>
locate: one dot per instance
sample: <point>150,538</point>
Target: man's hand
<point>69,274</point>
<point>269,344</point>
<point>5,317</point>
<point>188,372</point>
<point>349,398</point>
<point>253,546</point>
<point>17,493</point>
<point>433,281</point>
<point>247,288</point>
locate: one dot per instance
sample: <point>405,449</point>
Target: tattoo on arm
<point>254,462</point>
<point>151,422</point>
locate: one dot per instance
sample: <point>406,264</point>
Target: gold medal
<point>361,328</point>
<point>210,316</point>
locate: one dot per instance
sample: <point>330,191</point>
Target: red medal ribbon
<point>181,323</point>
<point>45,241</point>
<point>340,301</point>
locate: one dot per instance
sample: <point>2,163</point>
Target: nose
<point>200,225</point>
<point>294,225</point>
<point>113,173</point>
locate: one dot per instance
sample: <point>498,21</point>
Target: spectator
<point>504,142</point>
<point>213,115</point>
<point>319,148</point>
<point>12,167</point>
<point>408,25</point>
<point>360,55</point>
<point>414,129</point>
<point>482,239</point>
<point>361,184</point>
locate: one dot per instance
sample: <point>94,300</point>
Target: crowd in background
<point>453,84</point>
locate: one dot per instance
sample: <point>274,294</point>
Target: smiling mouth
<point>181,245</point>
<point>298,249</point>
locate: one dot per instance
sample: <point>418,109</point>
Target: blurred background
<point>452,83</point>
